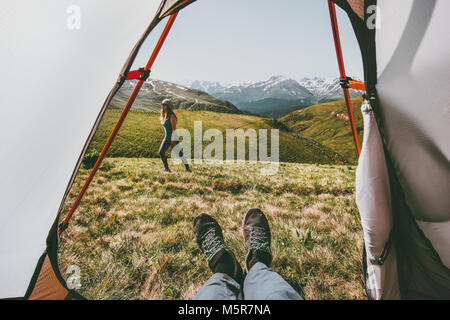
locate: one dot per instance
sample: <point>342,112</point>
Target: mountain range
<point>154,91</point>
<point>275,97</point>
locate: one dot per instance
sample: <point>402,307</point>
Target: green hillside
<point>328,124</point>
<point>141,135</point>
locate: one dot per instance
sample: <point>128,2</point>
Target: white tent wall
<point>413,87</point>
<point>59,61</point>
<point>373,198</point>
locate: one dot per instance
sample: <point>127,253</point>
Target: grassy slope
<point>132,235</point>
<point>141,135</point>
<point>321,123</point>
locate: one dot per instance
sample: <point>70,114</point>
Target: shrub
<point>90,158</point>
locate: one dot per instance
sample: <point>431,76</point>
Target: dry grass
<point>132,234</point>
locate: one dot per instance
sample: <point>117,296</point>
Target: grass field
<point>141,135</point>
<point>132,235</point>
<point>328,124</point>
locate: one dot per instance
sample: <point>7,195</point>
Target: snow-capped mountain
<point>210,87</point>
<point>326,89</point>
<point>278,87</point>
<point>276,96</point>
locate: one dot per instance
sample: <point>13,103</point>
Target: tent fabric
<point>411,101</point>
<point>413,90</point>
<point>352,6</point>
<point>364,35</point>
<point>55,79</point>
<point>422,274</point>
<point>439,235</point>
<point>420,270</point>
<point>374,202</point>
<point>404,62</point>
<point>47,285</point>
<point>381,281</point>
<point>358,7</point>
<point>47,282</point>
<point>169,7</point>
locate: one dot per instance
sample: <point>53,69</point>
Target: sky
<point>234,41</point>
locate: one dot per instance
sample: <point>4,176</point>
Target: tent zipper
<point>386,250</point>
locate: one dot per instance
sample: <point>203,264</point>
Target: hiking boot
<point>257,238</point>
<point>210,241</point>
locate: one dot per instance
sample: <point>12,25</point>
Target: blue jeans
<point>261,283</point>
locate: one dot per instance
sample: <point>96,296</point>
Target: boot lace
<point>211,244</point>
<point>259,239</point>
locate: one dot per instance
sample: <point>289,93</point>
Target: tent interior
<point>403,174</point>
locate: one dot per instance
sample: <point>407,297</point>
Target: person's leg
<point>227,273</point>
<point>261,283</point>
<point>165,144</point>
<point>176,146</point>
<point>220,287</point>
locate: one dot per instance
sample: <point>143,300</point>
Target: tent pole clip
<point>345,82</point>
<point>144,74</point>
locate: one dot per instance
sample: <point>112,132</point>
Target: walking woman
<point>169,123</point>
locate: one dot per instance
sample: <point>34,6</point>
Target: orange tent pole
<point>119,123</point>
<point>348,102</point>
